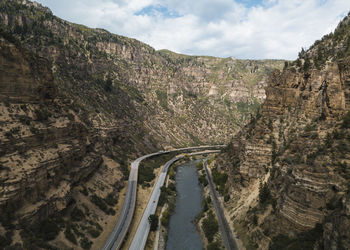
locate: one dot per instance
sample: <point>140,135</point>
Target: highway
<point>116,237</point>
<point>141,235</point>
<point>226,232</point>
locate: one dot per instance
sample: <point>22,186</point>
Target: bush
<point>226,197</point>
<point>165,219</point>
<point>153,221</point>
<point>199,166</point>
<point>77,214</point>
<point>264,193</point>
<point>145,174</point>
<point>214,246</point>
<point>203,180</point>
<point>111,200</point>
<point>100,203</point>
<point>210,226</point>
<point>220,180</point>
<point>93,232</point>
<point>70,235</point>
<point>304,240</point>
<point>346,120</point>
<point>85,243</point>
<point>42,115</point>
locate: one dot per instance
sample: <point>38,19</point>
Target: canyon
<point>78,104</point>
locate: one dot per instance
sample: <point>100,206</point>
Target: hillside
<point>288,168</point>
<point>77,104</point>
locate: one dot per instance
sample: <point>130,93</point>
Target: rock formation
<point>77,104</point>
<point>297,148</point>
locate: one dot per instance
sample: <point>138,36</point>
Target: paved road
<point>226,232</point>
<point>121,228</point>
<point>141,235</point>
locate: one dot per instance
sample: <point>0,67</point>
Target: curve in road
<point>116,237</point>
<point>141,235</point>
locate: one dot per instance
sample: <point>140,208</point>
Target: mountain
<point>289,167</point>
<point>78,104</point>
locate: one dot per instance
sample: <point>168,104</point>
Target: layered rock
<point>298,143</point>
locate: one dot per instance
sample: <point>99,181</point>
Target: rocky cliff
<point>77,104</point>
<point>288,168</point>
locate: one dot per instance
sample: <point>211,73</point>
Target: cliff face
<point>77,104</point>
<point>298,146</point>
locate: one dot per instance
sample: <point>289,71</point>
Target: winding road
<point>141,235</point>
<point>116,237</point>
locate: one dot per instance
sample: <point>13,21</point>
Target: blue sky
<point>239,28</point>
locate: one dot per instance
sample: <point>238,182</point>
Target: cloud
<point>240,28</point>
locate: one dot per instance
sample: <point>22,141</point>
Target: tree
<point>153,221</point>
<point>264,193</point>
<point>210,226</point>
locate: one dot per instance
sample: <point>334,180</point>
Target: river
<point>182,232</point>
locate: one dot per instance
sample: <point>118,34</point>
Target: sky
<point>244,29</point>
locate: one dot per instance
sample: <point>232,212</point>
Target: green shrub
<point>145,174</point>
<point>77,214</point>
<point>346,120</point>
<point>153,221</point>
<point>210,226</point>
<point>70,235</point>
<point>203,180</point>
<point>111,199</point>
<point>214,246</point>
<point>85,243</point>
<point>226,197</point>
<point>199,166</point>
<point>42,115</point>
<point>93,232</point>
<point>264,193</point>
<point>304,240</point>
<point>99,202</point>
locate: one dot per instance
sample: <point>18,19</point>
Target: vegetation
<point>214,246</point>
<point>210,226</point>
<point>305,240</point>
<point>153,221</point>
<point>101,204</point>
<point>77,214</point>
<point>264,193</point>
<point>220,180</point>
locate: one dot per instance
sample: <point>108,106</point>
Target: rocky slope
<point>288,168</point>
<point>77,104</point>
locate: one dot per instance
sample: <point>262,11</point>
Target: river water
<point>182,232</point>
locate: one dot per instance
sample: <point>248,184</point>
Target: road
<point>226,232</point>
<point>116,237</point>
<point>141,235</point>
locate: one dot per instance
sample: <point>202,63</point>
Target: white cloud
<point>273,29</point>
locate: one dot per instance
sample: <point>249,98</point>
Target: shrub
<point>199,166</point>
<point>85,243</point>
<point>346,120</point>
<point>304,240</point>
<point>264,193</point>
<point>93,232</point>
<point>70,235</point>
<point>111,199</point>
<point>145,174</point>
<point>99,202</point>
<point>77,214</point>
<point>203,180</point>
<point>210,226</point>
<point>42,115</point>
<point>226,197</point>
<point>153,221</point>
<point>214,246</point>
